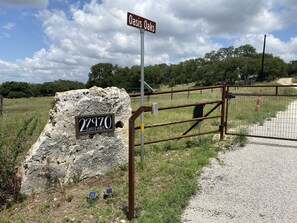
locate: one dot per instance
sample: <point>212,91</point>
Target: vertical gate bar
<point>222,127</point>
<point>131,170</point>
<point>227,109</point>
<point>276,90</point>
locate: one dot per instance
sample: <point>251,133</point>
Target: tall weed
<point>9,161</point>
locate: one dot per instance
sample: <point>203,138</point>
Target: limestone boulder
<point>60,156</point>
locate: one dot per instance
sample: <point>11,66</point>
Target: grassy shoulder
<point>169,178</point>
<point>164,184</point>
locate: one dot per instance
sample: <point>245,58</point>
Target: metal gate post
<point>227,108</point>
<point>222,126</point>
<point>131,170</point>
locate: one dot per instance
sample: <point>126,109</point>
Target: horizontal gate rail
<point>177,91</point>
<point>179,137</point>
<point>191,105</point>
<point>178,122</point>
<point>265,137</point>
<point>269,95</point>
<point>261,85</point>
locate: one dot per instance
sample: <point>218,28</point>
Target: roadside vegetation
<point>164,183</point>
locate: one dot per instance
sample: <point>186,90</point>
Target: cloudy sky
<point>46,40</point>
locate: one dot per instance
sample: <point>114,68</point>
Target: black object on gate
<point>197,113</point>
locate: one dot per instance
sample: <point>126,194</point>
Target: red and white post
<point>258,101</point>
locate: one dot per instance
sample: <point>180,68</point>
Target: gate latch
<point>230,95</point>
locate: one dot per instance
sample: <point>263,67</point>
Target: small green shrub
<point>69,197</point>
<point>242,138</point>
<point>290,91</point>
<point>43,207</point>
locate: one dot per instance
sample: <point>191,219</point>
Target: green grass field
<point>164,183</point>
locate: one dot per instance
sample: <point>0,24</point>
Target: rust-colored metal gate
<point>215,111</point>
<point>262,111</point>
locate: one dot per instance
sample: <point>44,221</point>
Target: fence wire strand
<point>271,116</point>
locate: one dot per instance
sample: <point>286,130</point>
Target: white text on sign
<point>141,23</point>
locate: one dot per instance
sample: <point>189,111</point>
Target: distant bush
<point>14,89</point>
<point>15,94</point>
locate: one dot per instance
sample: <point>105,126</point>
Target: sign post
<point>142,93</point>
<point>144,25</point>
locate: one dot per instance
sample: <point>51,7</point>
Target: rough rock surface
<point>59,156</point>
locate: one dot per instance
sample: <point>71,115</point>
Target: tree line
<point>13,89</point>
<point>227,65</point>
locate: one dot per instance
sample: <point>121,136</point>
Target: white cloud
<point>8,25</point>
<point>284,49</point>
<point>26,3</point>
<point>4,35</point>
<point>96,31</point>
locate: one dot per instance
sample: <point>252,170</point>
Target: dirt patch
<point>286,81</point>
<point>72,203</point>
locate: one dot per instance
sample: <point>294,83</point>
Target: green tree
<point>101,75</point>
<point>292,68</point>
<point>212,56</point>
<point>226,53</point>
<point>245,51</point>
<point>15,89</point>
<point>248,68</point>
<point>227,71</point>
<point>50,88</point>
<point>274,67</point>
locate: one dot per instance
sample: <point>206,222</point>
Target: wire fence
<point>268,112</point>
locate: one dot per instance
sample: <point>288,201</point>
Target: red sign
<point>141,23</point>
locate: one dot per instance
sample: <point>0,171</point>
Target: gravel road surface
<point>254,183</point>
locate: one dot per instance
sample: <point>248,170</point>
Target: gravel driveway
<point>255,183</point>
